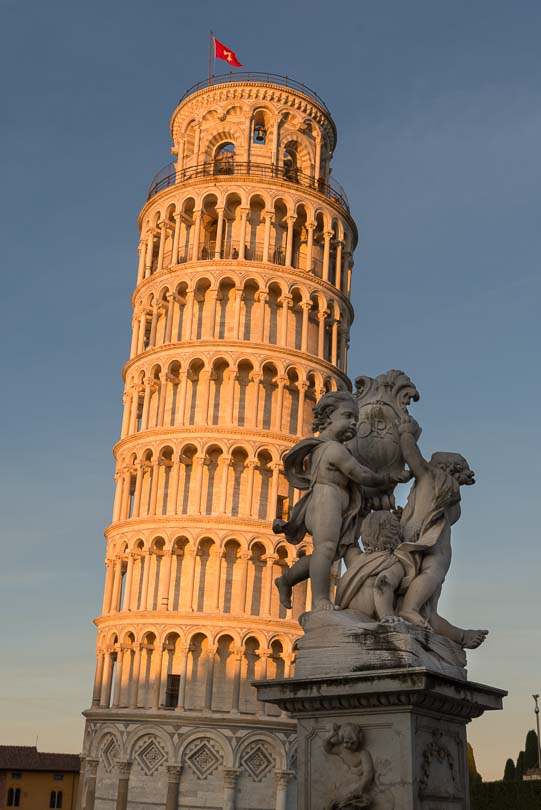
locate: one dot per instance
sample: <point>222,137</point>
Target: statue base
<point>340,641</point>
<point>385,740</point>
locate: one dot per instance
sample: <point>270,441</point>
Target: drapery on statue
<point>332,508</point>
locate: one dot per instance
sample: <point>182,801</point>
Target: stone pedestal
<point>386,740</point>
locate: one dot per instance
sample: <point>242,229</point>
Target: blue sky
<point>438,111</point>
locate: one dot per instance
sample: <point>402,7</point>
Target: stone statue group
<point>366,444</point>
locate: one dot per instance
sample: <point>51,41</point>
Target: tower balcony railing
<point>253,252</point>
<point>259,77</point>
<point>169,176</point>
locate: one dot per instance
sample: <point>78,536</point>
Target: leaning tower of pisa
<point>241,317</point>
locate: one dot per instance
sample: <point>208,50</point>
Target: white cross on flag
<point>221,51</point>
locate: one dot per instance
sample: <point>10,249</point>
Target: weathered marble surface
<point>391,740</point>
<point>343,641</point>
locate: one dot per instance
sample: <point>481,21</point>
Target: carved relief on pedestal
<point>440,776</point>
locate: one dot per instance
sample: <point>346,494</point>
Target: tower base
<point>387,740</point>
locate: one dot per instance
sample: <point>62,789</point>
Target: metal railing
<point>168,176</point>
<point>256,76</point>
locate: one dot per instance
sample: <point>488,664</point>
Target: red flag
<point>221,51</point>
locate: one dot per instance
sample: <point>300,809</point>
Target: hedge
<point>506,796</point>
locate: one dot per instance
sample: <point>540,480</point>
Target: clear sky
<point>438,111</point>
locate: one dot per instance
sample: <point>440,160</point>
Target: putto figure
<point>332,509</point>
<point>346,741</point>
<point>433,507</point>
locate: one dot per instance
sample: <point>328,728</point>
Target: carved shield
<point>383,402</point>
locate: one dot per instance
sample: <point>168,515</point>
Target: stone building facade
<point>241,317</point>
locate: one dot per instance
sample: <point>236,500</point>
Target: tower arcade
<point>241,317</point>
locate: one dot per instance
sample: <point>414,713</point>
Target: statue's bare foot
<point>324,604</point>
<point>285,592</point>
<point>413,617</point>
<point>391,619</point>
<point>473,638</point>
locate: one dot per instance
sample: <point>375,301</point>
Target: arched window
<point>290,164</point>
<point>14,797</point>
<point>224,159</point>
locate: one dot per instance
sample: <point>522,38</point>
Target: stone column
<point>105,697</point>
<point>212,315</point>
<point>306,307</point>
<point>181,407</point>
<point>334,343</point>
<point>172,500</point>
<point>251,465</point>
<point>286,301</point>
<point>230,406</point>
<point>219,233</point>
<point>209,685</point>
<point>138,489</point>
<point>303,388</point>
<point>162,399</point>
<point>190,555</point>
<point>262,314</point>
<point>289,242</point>
<point>282,780</point>
<point>171,299</point>
<point>236,315</point>
<point>196,235</point>
<point>310,227</point>
<point>218,556</point>
<point>142,331</point>
<point>338,274</point>
<point>117,582</point>
<point>163,230</point>
<point>204,382</point>
<point>235,699</point>
<point>185,650</point>
<point>277,411</point>
<point>225,462</point>
<point>108,592</point>
<point>176,238</point>
<point>141,250</point>
<point>98,678</point>
<point>326,253</point>
<point>156,674</point>
<point>269,216</point>
<point>199,463</point>
<point>153,326</point>
<point>271,512</point>
<point>243,220</point>
<point>128,586</point>
<point>124,768</point>
<point>254,410</point>
<point>118,676</point>
<point>126,403</point>
<point>266,596</point>
<point>187,324</point>
<point>135,325</point>
<point>155,467</point>
<point>173,779</point>
<point>150,251</point>
<point>165,577</point>
<point>146,558</point>
<point>321,316</point>
<point>146,403</point>
<point>91,771</point>
<point>230,781</point>
<point>244,558</point>
<point>134,415</point>
<point>317,169</point>
<point>133,697</point>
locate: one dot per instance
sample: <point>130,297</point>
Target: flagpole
<point>211,37</point>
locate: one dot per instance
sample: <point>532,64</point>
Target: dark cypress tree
<point>519,770</point>
<point>531,751</point>
<point>509,774</point>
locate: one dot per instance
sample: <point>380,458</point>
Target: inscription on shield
<point>377,443</point>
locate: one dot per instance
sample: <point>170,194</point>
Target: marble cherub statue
<point>433,506</point>
<point>346,741</point>
<point>332,508</point>
<point>374,578</point>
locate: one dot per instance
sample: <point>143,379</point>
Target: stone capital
<point>124,768</point>
<point>174,773</point>
<point>230,777</point>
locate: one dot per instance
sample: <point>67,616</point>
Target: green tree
<point>475,776</point>
<point>531,751</point>
<point>509,774</point>
<point>519,770</point>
